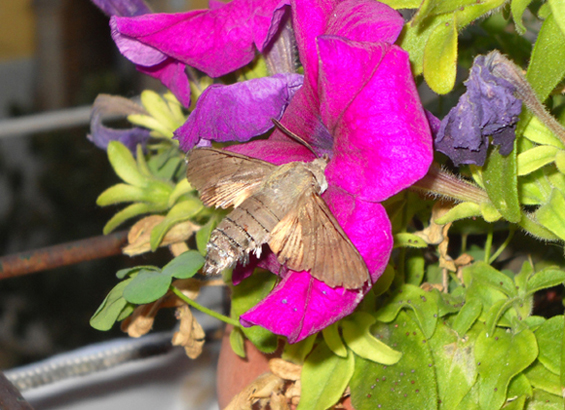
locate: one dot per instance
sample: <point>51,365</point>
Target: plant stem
<point>204,309</point>
<point>506,69</point>
<point>488,243</point>
<point>438,182</point>
<point>512,229</point>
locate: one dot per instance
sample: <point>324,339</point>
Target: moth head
<point>317,168</point>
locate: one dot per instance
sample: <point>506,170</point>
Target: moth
<point>276,205</point>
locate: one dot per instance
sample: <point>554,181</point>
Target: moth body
<point>247,228</point>
<point>276,205</point>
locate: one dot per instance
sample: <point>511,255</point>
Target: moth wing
<point>224,178</point>
<point>310,238</point>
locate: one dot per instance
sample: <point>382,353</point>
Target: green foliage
<point>324,378</point>
<point>141,285</point>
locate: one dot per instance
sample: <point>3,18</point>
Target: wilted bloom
<point>110,105</point>
<point>215,41</point>
<point>488,108</point>
<point>360,106</point>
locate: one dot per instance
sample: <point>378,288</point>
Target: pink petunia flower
<point>359,105</point>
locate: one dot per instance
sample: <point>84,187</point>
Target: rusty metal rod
<point>64,254</point>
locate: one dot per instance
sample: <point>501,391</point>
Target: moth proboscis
<point>277,205</point>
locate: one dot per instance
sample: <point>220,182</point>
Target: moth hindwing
<point>276,205</point>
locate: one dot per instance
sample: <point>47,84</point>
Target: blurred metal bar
<point>46,121</point>
<point>61,255</point>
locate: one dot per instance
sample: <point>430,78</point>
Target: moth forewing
<point>278,205</point>
<point>310,238</point>
<point>223,178</point>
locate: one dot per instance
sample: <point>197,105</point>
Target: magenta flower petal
<point>215,41</point>
<point>240,111</point>
<point>369,102</point>
<point>361,20</point>
<point>301,305</point>
<point>173,75</point>
<point>357,20</point>
<point>275,152</point>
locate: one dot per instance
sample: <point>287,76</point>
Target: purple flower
<point>360,106</point>
<point>488,108</point>
<point>113,106</point>
<point>128,8</point>
<point>216,41</point>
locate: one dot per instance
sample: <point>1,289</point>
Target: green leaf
<point>423,303</point>
<point>408,240</point>
<point>495,312</point>
<point>124,164</point>
<point>110,309</point>
<point>158,109</point>
<point>473,12</point>
<point>122,273</point>
<point>423,11</point>
<point>129,212</point>
<point>482,273</point>
<point>501,184</point>
<point>147,287</point>
<point>531,225</point>
<point>333,340</point>
<point>460,211</point>
<point>180,189</point>
<point>547,63</point>
<point>440,57</point>
<point>454,363</point>
<point>415,265</point>
<point>533,322</point>
<point>535,158</point>
<point>413,39</point>
<point>324,378</point>
<point>297,352</point>
<point>409,384</point>
<point>180,212</point>
<point>357,335</point>
<point>449,6</point>
<point>519,387</point>
<point>184,266</point>
<point>237,342</point>
<point>122,193</point>
<point>518,7</point>
<point>552,214</point>
<point>537,132</point>
<point>245,296</point>
<point>546,278</point>
<point>534,188</point>
<point>543,379</point>
<point>502,356</point>
<point>467,316</point>
<point>545,401</point>
<point>384,282</point>
<point>549,336</point>
<point>402,4</point>
<point>158,129</point>
<point>558,11</point>
<point>203,234</point>
<point>489,212</point>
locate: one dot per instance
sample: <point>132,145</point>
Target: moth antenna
<point>292,135</point>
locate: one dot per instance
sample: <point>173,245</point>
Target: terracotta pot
<point>235,373</point>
